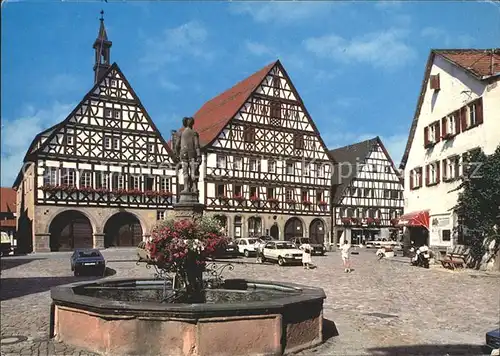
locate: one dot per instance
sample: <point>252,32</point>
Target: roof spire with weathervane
<point>102,48</point>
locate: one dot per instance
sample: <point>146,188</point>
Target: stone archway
<point>274,231</point>
<point>254,226</point>
<point>70,229</point>
<point>293,228</point>
<point>317,231</point>
<point>122,230</point>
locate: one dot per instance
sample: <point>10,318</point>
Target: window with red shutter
<point>444,163</point>
<point>479,111</point>
<point>434,82</point>
<point>438,166</point>
<point>427,170</point>
<point>420,176</point>
<point>463,118</point>
<point>444,124</point>
<point>426,136</point>
<point>437,132</point>
<point>412,176</point>
<point>457,122</point>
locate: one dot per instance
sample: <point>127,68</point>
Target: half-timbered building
<point>367,192</point>
<point>456,113</point>
<point>265,168</point>
<point>101,177</point>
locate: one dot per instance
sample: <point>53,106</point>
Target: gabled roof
<point>31,154</point>
<point>482,64</point>
<point>216,113</point>
<point>349,159</point>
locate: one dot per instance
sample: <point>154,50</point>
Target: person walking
<point>346,249</point>
<point>306,255</point>
<point>259,249</point>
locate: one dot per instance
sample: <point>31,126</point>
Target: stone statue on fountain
<point>187,150</point>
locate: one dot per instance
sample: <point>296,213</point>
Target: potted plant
<point>376,221</point>
<point>323,204</point>
<point>447,136</point>
<point>273,201</point>
<point>306,203</point>
<point>355,221</point>
<point>223,199</point>
<point>49,188</point>
<point>369,221</point>
<point>183,248</point>
<point>68,188</point>
<point>290,201</point>
<point>165,194</point>
<point>394,222</point>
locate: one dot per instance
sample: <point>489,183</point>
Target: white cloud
<point>446,39</point>
<point>394,143</point>
<point>175,44</point>
<point>385,49</point>
<point>17,135</point>
<point>62,82</point>
<point>283,12</point>
<point>258,49</point>
<point>168,85</point>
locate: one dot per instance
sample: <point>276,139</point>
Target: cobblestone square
<point>383,307</point>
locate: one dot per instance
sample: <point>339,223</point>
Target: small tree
<point>478,205</point>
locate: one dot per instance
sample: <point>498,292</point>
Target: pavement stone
<point>383,307</point>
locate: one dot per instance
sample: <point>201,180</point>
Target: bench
<point>456,257</point>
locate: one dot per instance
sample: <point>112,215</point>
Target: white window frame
<point>104,180</point>
<point>432,173</point>
<point>120,182</point>
<point>252,165</point>
<point>321,171</point>
<point>151,147</point>
<point>289,194</point>
<point>415,177</point>
<point>271,166</point>
<point>116,143</point>
<point>51,175</point>
<point>108,111</point>
<point>292,166</point>
<point>238,163</point>
<point>431,133</point>
<point>108,142</point>
<point>451,124</point>
<point>135,182</point>
<point>221,161</point>
<point>70,139</point>
<point>113,83</point>
<point>471,115</point>
<point>165,184</point>
<point>85,179</point>
<point>68,177</point>
<point>117,113</point>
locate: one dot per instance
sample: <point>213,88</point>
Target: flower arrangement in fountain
<point>183,248</point>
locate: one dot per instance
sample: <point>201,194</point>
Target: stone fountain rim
<point>65,296</point>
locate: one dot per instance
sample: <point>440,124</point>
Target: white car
<point>282,252</point>
<point>246,246</point>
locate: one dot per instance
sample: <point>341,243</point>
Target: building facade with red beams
<point>457,112</point>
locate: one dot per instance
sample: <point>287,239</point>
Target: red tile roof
<point>216,113</point>
<point>8,197</point>
<point>484,64</point>
<point>481,63</point>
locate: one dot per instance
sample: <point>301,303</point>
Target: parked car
<point>246,246</point>
<point>5,244</point>
<point>283,252</point>
<point>317,249</point>
<point>492,340</point>
<point>267,238</point>
<point>229,250</point>
<point>90,260</point>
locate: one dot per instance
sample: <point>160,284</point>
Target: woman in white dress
<point>306,255</point>
<point>345,249</point>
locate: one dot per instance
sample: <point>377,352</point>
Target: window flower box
<point>376,221</point>
<point>101,190</point>
<point>49,188</point>
<point>306,203</point>
<point>68,189</point>
<point>239,198</point>
<point>394,222</point>
<point>165,194</point>
<point>290,201</point>
<point>322,203</point>
<point>370,221</point>
<point>86,190</point>
<point>429,144</point>
<point>355,221</point>
<point>273,200</point>
<point>346,221</point>
<point>447,136</point>
<point>254,198</point>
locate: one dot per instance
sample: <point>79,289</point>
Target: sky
<point>358,66</point>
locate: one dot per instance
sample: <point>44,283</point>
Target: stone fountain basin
<point>290,322</point>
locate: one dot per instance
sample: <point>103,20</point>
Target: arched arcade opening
<point>293,228</point>
<point>69,230</point>
<point>317,231</point>
<point>122,230</point>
